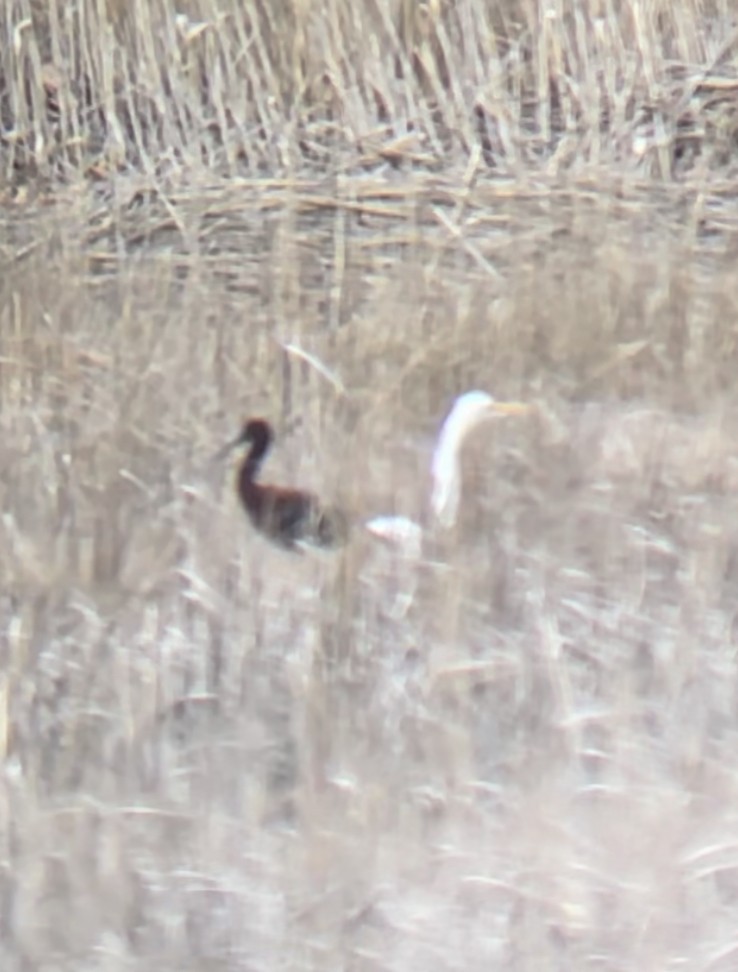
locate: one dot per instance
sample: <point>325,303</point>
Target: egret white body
<point>468,411</point>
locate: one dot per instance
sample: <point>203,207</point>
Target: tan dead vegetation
<point>515,751</point>
<point>245,88</point>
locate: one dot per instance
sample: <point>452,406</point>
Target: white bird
<point>467,412</point>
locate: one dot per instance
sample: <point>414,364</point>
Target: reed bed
<point>511,87</point>
<point>516,749</point>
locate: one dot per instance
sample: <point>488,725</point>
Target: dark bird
<point>288,517</point>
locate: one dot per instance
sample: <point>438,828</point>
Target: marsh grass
<point>517,750</point>
<point>280,88</point>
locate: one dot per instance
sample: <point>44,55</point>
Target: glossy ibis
<point>290,518</point>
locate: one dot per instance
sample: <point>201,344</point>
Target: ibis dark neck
<point>255,456</point>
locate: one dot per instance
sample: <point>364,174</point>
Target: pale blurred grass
<point>518,751</point>
<point>507,752</point>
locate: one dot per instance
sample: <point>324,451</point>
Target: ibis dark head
<point>257,433</point>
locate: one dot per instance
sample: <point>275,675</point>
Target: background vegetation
<point>517,752</point>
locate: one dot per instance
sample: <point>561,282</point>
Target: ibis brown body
<point>288,517</point>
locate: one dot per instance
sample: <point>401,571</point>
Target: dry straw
<point>252,88</point>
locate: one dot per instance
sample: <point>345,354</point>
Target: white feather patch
<point>467,411</point>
